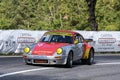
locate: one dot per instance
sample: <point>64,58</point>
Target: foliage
<point>108,14</point>
<point>57,14</point>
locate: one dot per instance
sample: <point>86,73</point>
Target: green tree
<point>60,14</point>
<point>108,14</point>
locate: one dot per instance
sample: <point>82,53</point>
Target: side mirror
<point>88,40</point>
<point>75,41</point>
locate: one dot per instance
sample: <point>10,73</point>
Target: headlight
<point>26,49</point>
<point>59,51</point>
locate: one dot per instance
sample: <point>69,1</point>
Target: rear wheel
<point>69,60</point>
<point>83,61</point>
<point>90,59</point>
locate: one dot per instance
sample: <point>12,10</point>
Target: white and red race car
<point>61,47</point>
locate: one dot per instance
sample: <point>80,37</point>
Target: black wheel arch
<point>71,52</point>
<point>92,49</point>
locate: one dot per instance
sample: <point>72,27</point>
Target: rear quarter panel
<point>87,49</point>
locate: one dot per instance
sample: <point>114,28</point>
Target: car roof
<point>64,31</point>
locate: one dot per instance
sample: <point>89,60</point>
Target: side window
<point>79,38</point>
<point>76,37</point>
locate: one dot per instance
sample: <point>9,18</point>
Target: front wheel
<point>25,61</point>
<point>69,60</point>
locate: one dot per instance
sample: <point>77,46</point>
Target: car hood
<point>47,48</point>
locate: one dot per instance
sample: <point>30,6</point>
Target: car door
<point>78,47</point>
<point>81,44</point>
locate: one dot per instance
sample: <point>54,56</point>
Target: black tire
<point>27,62</point>
<point>90,60</point>
<point>69,61</point>
<point>83,61</point>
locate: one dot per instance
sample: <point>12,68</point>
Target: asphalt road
<point>106,67</point>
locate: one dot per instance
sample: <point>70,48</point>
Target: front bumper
<point>53,60</point>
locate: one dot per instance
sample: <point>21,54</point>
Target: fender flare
<point>87,49</point>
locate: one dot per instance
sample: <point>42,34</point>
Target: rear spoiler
<point>88,40</point>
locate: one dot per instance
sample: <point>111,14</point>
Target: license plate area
<point>40,61</point>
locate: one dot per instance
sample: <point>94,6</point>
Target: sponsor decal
<point>106,40</point>
<point>25,38</point>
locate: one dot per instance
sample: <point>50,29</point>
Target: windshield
<point>57,38</point>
